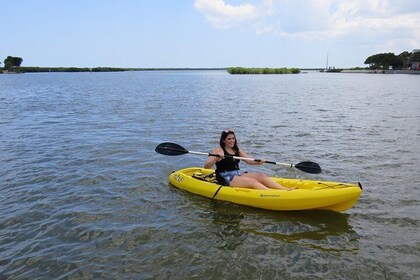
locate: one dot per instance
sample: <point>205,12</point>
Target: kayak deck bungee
<point>310,194</point>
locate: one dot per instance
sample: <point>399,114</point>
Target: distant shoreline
<point>382,71</point>
<point>31,69</point>
<point>34,69</point>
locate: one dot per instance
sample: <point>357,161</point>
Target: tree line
<point>244,70</point>
<point>404,60</point>
<point>13,64</point>
<point>32,69</point>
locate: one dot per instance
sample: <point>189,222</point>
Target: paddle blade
<point>170,149</point>
<point>309,167</point>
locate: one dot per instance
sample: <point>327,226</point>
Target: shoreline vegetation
<point>36,69</point>
<point>370,71</point>
<point>385,63</point>
<point>230,70</point>
<point>243,70</point>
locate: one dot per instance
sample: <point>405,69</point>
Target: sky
<point>206,33</point>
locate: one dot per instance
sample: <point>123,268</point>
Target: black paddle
<point>172,149</point>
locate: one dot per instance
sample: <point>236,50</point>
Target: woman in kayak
<point>227,169</point>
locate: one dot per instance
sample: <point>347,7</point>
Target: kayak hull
<point>310,194</point>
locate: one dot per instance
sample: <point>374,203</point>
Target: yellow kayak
<point>309,194</point>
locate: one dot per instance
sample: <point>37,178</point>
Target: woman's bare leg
<point>247,182</point>
<point>265,180</point>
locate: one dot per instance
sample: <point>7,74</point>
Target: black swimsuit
<point>227,163</point>
<point>227,168</point>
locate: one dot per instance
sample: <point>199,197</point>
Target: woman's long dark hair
<point>224,136</point>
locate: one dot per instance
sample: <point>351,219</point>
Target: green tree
<point>373,61</point>
<point>12,62</point>
<point>384,60</point>
<point>415,57</point>
<point>405,58</point>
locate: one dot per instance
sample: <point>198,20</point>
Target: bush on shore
<point>243,70</point>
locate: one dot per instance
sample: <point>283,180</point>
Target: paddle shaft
<point>172,149</point>
<point>242,158</point>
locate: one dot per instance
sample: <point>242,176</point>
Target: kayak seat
<point>211,177</point>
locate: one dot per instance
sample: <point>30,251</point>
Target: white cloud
<point>369,21</point>
<point>378,23</point>
<point>223,15</point>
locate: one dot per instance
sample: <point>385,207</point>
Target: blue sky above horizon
<point>206,33</point>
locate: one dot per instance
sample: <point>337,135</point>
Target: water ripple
<point>84,195</point>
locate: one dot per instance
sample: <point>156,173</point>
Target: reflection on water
<point>84,195</point>
<point>226,226</point>
<point>327,231</point>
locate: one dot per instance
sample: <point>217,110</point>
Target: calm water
<point>84,195</point>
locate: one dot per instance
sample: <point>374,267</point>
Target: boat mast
<point>326,66</point>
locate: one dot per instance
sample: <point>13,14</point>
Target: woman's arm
<point>211,160</point>
<point>251,162</point>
